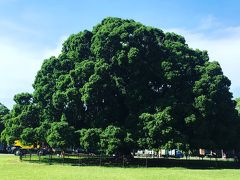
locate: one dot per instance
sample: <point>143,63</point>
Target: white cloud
<point>19,64</point>
<point>57,50</point>
<point>209,22</point>
<point>223,45</point>
<point>7,26</point>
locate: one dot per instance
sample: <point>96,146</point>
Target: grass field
<point>12,168</point>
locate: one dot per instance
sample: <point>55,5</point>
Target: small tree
<point>90,139</point>
<point>3,112</point>
<point>28,136</point>
<point>24,115</point>
<point>159,131</point>
<point>60,135</point>
<point>115,140</point>
<point>238,105</point>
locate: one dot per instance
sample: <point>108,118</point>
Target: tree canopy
<point>122,86</point>
<point>3,112</point>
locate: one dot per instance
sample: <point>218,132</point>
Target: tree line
<point>125,86</point>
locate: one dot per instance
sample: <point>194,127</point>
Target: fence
<point>122,161</point>
<point>76,159</point>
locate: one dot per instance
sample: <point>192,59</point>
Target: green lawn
<point>12,168</point>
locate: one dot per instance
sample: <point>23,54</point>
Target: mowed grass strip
<point>12,168</point>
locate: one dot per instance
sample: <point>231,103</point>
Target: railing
<point>81,159</point>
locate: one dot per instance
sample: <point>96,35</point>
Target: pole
<point>146,161</point>
<point>100,163</point>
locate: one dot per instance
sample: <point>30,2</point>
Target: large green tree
<point>135,83</point>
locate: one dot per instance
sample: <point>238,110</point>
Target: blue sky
<point>31,31</point>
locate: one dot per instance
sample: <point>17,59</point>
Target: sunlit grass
<point>12,168</point>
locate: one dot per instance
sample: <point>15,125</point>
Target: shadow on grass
<point>134,162</point>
